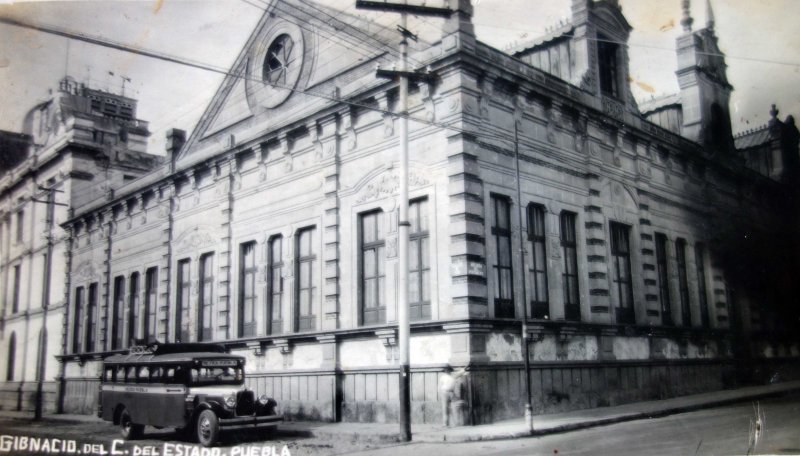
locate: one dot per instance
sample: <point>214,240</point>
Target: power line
<point>103,42</point>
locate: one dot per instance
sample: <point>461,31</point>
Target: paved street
<point>715,431</point>
<point>168,443</point>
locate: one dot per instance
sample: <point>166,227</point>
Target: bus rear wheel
<point>207,428</point>
<point>130,430</point>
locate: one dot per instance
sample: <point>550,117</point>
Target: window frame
<point>702,289</point>
<point>12,357</point>
<point>117,311</point>
<point>683,281</point>
<point>418,235</point>
<point>16,288</point>
<point>537,237</point>
<point>205,298</point>
<point>622,269</point>
<point>77,320</point>
<point>134,312</point>
<point>568,237</point>
<point>275,290</point>
<point>150,305</point>
<point>305,322</point>
<point>662,273</point>
<point>504,306</point>
<point>183,281</point>
<point>247,326</point>
<point>376,314</point>
<point>91,318</point>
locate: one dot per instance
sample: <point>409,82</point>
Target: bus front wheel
<point>207,428</point>
<point>130,430</point>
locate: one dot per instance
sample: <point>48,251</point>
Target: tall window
<point>683,282</point>
<point>419,267</point>
<point>306,291</point>
<point>247,290</point>
<point>608,62</point>
<point>206,300</point>
<point>150,304</point>
<point>663,279</point>
<point>540,307</point>
<point>45,281</point>
<point>77,321</point>
<point>503,277</point>
<point>91,319</point>
<point>373,274</point>
<point>12,355</point>
<point>116,313</point>
<point>182,301</point>
<point>699,257</point>
<point>133,308</point>
<point>15,296</point>
<point>20,225</point>
<point>275,286</point>
<point>621,257</point>
<point>569,278</point>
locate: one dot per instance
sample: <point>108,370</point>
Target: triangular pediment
<point>297,56</point>
<point>611,18</point>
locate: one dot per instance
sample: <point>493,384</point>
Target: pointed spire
<point>686,20</point>
<point>709,16</point>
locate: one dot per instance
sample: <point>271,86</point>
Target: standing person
<point>448,382</point>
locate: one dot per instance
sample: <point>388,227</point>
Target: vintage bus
<point>197,388</point>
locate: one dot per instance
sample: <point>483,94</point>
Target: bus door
<point>171,406</point>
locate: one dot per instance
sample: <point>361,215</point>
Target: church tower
<point>704,88</point>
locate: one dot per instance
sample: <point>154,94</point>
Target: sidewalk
<point>543,424</point>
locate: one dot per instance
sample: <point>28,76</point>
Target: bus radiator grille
<point>245,403</point>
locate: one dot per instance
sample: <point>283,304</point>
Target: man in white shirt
<point>448,383</point>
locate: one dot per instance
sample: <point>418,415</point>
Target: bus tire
<point>130,430</point>
<point>207,428</point>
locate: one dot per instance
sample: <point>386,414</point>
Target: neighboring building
<point>273,229</point>
<point>77,147</point>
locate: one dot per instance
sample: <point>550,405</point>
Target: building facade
<point>77,146</point>
<point>273,228</point>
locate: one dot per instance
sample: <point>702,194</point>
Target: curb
<point>633,416</point>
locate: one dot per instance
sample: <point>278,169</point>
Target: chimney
<point>176,138</point>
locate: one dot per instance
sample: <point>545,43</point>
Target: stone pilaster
<point>652,312</point>
<point>326,144</point>
<point>467,342</point>
<point>597,262</point>
<point>165,263</point>
<point>223,182</point>
<point>104,315</point>
<point>467,238</point>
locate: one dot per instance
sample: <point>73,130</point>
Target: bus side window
<point>120,374</point>
<point>169,375</point>
<point>108,375</point>
<point>130,375</point>
<point>144,375</point>
<point>155,375</point>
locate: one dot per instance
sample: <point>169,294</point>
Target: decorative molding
<point>387,184</point>
<point>194,238</point>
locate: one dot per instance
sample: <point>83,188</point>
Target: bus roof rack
<point>158,348</point>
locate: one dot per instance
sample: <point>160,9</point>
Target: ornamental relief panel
<point>194,239</point>
<point>387,184</point>
<point>86,271</point>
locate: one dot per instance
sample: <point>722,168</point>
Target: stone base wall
<point>498,393</point>
<point>490,392</point>
<point>81,395</point>
<point>21,396</point>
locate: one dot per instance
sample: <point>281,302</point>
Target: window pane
<point>413,288</point>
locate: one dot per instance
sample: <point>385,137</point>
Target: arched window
<point>12,351</point>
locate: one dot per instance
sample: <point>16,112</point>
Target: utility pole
<point>525,354</point>
<point>404,328</point>
<point>41,357</point>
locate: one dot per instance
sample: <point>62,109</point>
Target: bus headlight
<point>230,401</point>
<point>263,399</point>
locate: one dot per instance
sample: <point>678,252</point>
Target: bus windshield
<point>217,376</point>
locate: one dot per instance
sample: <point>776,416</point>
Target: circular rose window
<point>274,66</point>
<point>279,61</point>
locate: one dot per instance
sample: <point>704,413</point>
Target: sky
<point>758,36</point>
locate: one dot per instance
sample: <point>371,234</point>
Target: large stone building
<point>77,146</point>
<point>273,227</point>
